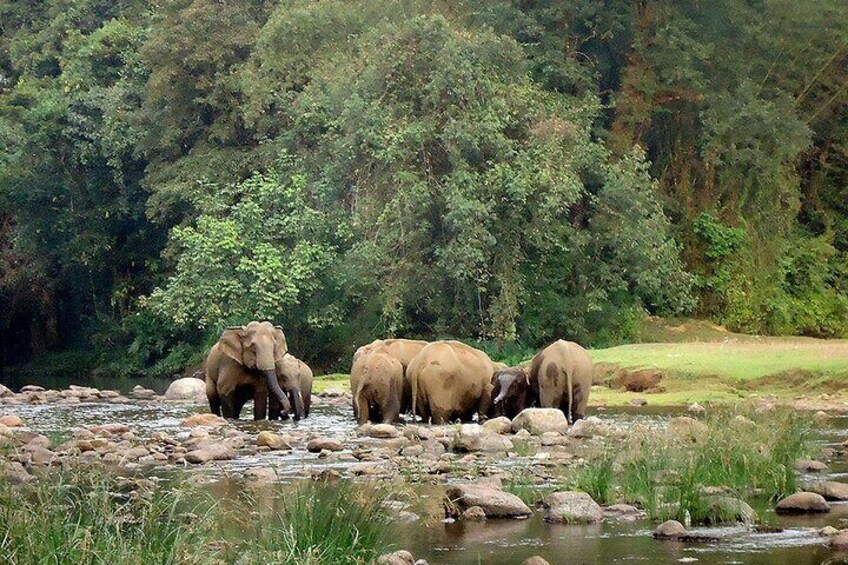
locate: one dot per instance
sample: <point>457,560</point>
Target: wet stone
<point>383,431</point>
<point>839,542</point>
<point>810,466</point>
<point>11,421</point>
<point>572,507</point>
<point>474,514</point>
<point>802,503</point>
<point>324,443</point>
<point>540,420</point>
<point>670,529</point>
<point>271,441</point>
<point>494,502</point>
<point>396,558</point>
<point>535,560</point>
<point>204,420</point>
<point>830,490</point>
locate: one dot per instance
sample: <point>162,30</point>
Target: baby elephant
<point>511,393</point>
<point>377,386</point>
<point>295,378</point>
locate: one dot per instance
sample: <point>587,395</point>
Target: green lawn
<point>738,361</point>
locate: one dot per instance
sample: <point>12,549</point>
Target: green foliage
<point>509,171</point>
<point>258,250</point>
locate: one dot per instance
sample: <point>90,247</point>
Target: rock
<point>670,529</point>
<point>142,393</point>
<point>187,388</point>
<point>535,560</point>
<point>211,452</point>
<point>271,441</point>
<point>11,421</point>
<point>623,512</point>
<point>499,425</point>
<point>41,455</point>
<point>725,509</point>
<point>830,490</point>
<point>637,381</point>
<point>495,503</point>
<point>109,429</point>
<point>109,394</point>
<point>331,393</point>
<point>134,454</point>
<point>474,514</point>
<point>588,427</point>
<point>523,434</point>
<point>396,558</point>
<point>204,420</point>
<point>827,532</point>
<point>263,475</point>
<point>555,438</point>
<point>540,420</point>
<point>802,465</point>
<point>638,402</point>
<point>5,391</point>
<point>14,472</point>
<point>802,503</point>
<point>473,437</point>
<point>383,431</point>
<point>839,542</point>
<point>321,443</point>
<point>695,409</point>
<point>370,469</point>
<point>571,507</point>
<point>32,388</point>
<point>820,417</point>
<point>685,427</point>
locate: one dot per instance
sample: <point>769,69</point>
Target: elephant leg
<point>260,405</point>
<point>228,407</point>
<point>274,408</point>
<point>241,397</point>
<point>215,404</point>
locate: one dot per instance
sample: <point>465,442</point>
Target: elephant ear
<point>281,347</point>
<point>231,345</point>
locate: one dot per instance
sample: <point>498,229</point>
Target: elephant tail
<point>360,404</point>
<point>569,380</point>
<point>414,379</point>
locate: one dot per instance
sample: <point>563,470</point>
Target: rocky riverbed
<point>460,488</point>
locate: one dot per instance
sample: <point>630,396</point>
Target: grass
<point>91,518</point>
<point>340,381</point>
<point>738,450</point>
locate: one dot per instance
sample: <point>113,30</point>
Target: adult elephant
<point>242,365</point>
<point>401,349</point>
<point>295,378</point>
<point>511,392</point>
<point>561,377</point>
<point>377,386</point>
<point>450,380</point>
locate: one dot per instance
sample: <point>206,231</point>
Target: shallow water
<point>495,541</point>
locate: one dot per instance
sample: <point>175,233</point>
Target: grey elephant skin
<point>295,378</point>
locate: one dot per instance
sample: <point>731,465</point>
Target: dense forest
<point>508,171</point>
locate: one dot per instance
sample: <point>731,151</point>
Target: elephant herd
<point>444,381</point>
<point>440,382</point>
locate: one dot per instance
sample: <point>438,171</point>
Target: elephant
<point>561,377</point>
<point>377,386</point>
<point>242,365</point>
<point>511,392</point>
<point>450,380</point>
<point>401,349</point>
<point>295,378</point>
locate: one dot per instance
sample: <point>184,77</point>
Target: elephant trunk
<point>274,386</point>
<point>299,410</point>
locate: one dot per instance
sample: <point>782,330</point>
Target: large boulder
<point>188,388</point>
<point>540,420</point>
<point>670,529</point>
<point>571,507</point>
<point>271,440</point>
<point>724,509</point>
<point>802,503</point>
<point>589,427</point>
<point>830,490</point>
<point>494,502</point>
<point>210,452</point>
<point>5,391</point>
<point>472,437</point>
<point>319,444</point>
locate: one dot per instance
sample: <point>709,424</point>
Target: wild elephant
<point>401,349</point>
<point>561,377</point>
<point>450,380</point>
<point>295,378</point>
<point>242,365</point>
<point>377,387</point>
<point>511,392</point>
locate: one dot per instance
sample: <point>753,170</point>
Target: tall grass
<point>668,473</point>
<point>93,519</point>
<point>319,523</point>
<point>79,519</point>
